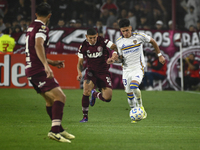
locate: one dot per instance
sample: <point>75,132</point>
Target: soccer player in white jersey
<point>130,47</point>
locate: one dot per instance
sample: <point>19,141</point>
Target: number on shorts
<point>124,81</point>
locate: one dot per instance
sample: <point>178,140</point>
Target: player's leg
<point>131,100</point>
<point>104,83</point>
<point>87,88</point>
<point>49,104</point>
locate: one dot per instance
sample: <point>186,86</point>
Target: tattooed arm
<point>79,68</point>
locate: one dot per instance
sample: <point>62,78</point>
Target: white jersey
<point>132,50</point>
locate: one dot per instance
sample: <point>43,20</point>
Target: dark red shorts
<point>41,83</point>
<point>101,80</point>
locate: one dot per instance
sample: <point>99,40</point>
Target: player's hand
<point>161,59</point>
<point>79,77</point>
<point>49,72</point>
<point>59,64</point>
<point>110,61</point>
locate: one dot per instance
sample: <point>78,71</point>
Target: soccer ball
<point>136,114</point>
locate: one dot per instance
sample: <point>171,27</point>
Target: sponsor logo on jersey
<point>95,55</point>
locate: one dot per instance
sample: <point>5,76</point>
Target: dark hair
<point>43,9</point>
<point>91,31</point>
<point>124,23</point>
<point>6,31</point>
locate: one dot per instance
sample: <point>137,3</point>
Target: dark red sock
<point>85,105</point>
<point>49,112</point>
<point>57,113</point>
<point>99,96</point>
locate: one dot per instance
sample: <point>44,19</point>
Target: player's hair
<point>44,9</point>
<point>124,23</point>
<point>91,31</point>
<point>6,31</point>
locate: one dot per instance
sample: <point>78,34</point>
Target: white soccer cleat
<point>58,137</point>
<point>67,135</point>
<point>150,89</point>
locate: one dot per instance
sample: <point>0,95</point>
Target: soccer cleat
<point>145,113</point>
<point>84,119</point>
<point>67,135</point>
<point>92,99</point>
<point>58,137</point>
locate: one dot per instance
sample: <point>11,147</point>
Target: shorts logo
<point>134,41</point>
<point>41,84</point>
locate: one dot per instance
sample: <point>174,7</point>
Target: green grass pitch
<point>173,122</point>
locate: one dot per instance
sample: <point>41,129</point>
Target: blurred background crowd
<point>143,14</point>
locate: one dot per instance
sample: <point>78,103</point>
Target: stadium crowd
<point>143,14</point>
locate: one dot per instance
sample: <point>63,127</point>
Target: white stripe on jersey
<point>132,50</point>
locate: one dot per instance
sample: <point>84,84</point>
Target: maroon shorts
<point>41,83</point>
<point>101,80</point>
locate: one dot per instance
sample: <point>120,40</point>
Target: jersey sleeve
<point>144,37</point>
<point>108,43</point>
<point>80,53</point>
<point>42,32</point>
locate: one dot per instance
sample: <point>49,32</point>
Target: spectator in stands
<point>112,18</point>
<point>170,24</point>
<point>159,25</point>
<point>115,25</point>
<point>109,5</point>
<point>61,23</point>
<point>104,16</point>
<point>123,4</point>
<point>2,25</point>
<point>7,43</point>
<point>17,29</point>
<point>22,9</point>
<point>198,25</point>
<point>72,23</point>
<point>132,18</point>
<point>3,7</point>
<point>191,72</point>
<point>158,72</point>
<point>196,5</point>
<point>190,18</point>
<point>99,27</point>
<point>143,23</point>
<point>78,24</point>
<point>192,28</point>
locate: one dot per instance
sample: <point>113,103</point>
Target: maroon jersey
<point>96,55</point>
<point>33,63</point>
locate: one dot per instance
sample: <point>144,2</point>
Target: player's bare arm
<point>39,42</point>
<point>57,63</point>
<point>80,68</point>
<point>114,47</point>
<point>157,49</point>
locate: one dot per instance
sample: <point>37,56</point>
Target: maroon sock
<point>49,112</point>
<point>85,105</point>
<point>99,96</point>
<point>57,113</point>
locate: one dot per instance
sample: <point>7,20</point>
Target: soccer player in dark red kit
<point>40,74</point>
<point>96,53</point>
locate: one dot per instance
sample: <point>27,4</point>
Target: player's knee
<point>63,98</point>
<point>134,86</point>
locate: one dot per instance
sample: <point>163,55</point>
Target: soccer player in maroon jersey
<point>95,50</point>
<point>40,74</point>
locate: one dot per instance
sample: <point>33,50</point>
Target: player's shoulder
<point>119,39</point>
<point>139,34</point>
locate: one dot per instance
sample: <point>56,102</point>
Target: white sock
<point>138,96</point>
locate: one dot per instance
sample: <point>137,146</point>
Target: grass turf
<point>172,123</point>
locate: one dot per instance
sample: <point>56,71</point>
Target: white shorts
<point>131,75</point>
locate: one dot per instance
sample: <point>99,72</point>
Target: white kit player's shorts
<point>131,75</point>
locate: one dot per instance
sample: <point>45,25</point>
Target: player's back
<point>7,43</point>
<point>96,55</point>
<point>35,30</point>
